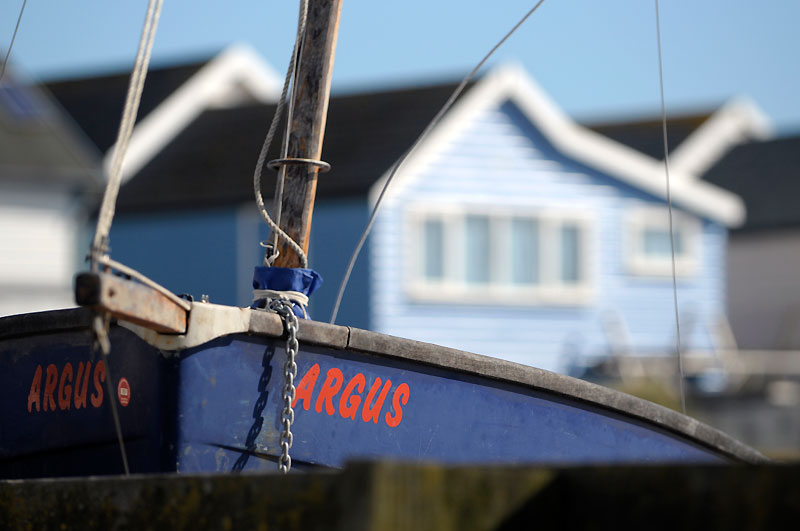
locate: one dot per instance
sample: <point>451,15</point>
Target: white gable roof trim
<point>738,121</point>
<point>219,83</point>
<point>581,144</point>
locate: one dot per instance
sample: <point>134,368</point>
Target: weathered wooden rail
<point>390,496</point>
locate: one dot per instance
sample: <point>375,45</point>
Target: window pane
<point>656,242</point>
<point>570,254</point>
<point>433,249</point>
<point>677,235</point>
<point>524,251</point>
<point>477,249</point>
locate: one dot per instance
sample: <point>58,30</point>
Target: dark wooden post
<point>308,124</point>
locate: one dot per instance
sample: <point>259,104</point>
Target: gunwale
<point>354,339</point>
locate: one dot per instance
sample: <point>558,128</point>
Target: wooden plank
<point>302,502</point>
<point>26,324</point>
<point>390,496</point>
<point>130,301</point>
<point>308,125</point>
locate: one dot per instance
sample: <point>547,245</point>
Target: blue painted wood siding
<point>335,230</point>
<point>192,252</point>
<point>213,252</point>
<point>336,227</point>
<point>501,159</point>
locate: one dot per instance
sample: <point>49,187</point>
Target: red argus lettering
<point>352,397</point>
<point>63,392</point>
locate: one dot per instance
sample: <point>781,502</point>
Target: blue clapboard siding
<point>192,252</point>
<point>501,159</point>
<point>336,227</point>
<point>213,251</point>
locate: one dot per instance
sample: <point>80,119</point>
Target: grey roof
<point>645,134</point>
<point>38,142</point>
<point>211,161</point>
<point>766,175</point>
<point>96,102</point>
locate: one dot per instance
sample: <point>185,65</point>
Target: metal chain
<point>284,309</point>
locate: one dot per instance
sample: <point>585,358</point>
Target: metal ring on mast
<point>276,164</point>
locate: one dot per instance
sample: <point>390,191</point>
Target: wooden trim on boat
<point>52,321</point>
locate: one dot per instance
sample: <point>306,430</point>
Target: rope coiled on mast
<point>262,156</point>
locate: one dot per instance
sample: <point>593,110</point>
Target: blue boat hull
<point>56,418</point>
<point>216,408</point>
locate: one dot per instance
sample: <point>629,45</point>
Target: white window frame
<point>499,290</point>
<point>642,218</point>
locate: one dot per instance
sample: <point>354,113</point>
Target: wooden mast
<point>313,82</point>
<point>152,307</point>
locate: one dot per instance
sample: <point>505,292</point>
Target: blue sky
<point>596,58</point>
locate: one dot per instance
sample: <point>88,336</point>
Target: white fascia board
<point>621,161</point>
<point>738,121</point>
<point>237,64</point>
<point>484,94</point>
<point>510,82</point>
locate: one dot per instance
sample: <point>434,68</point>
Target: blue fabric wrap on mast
<point>305,281</point>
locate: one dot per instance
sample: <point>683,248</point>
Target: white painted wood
<point>237,74</point>
<point>528,175</point>
<point>38,242</point>
<point>736,122</point>
<point>454,287</point>
<point>511,83</point>
<point>645,216</point>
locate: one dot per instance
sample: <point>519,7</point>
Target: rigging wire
<point>135,88</point>
<point>102,325</point>
<point>295,66</point>
<point>669,205</point>
<point>99,251</point>
<point>13,38</point>
<point>262,156</point>
<point>393,170</point>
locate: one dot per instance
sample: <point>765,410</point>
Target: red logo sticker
<point>124,392</point>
